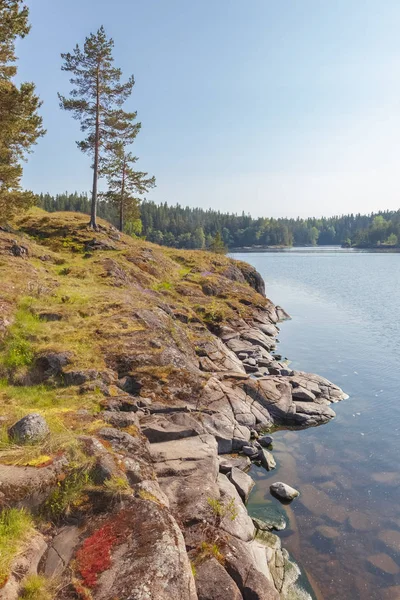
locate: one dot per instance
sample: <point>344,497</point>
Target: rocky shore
<point>185,399</point>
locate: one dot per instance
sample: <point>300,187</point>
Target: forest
<point>186,227</point>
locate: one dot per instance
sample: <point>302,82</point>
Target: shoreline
<point>167,413</point>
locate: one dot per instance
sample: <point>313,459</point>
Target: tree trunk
<point>93,210</point>
<point>121,206</point>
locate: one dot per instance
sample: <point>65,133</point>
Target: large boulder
<point>30,429</point>
<point>146,556</point>
<point>214,583</point>
<point>283,491</point>
<point>242,482</point>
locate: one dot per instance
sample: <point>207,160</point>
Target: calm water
<point>345,528</point>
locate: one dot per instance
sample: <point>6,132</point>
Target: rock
<point>29,429</point>
<point>283,491</point>
<point>258,338</point>
<point>267,460</point>
<point>359,521</point>
<point>61,551</point>
<point>18,250</point>
<point>282,314</point>
<point>241,565</point>
<point>50,364</point>
<point>238,523</point>
<point>327,533</point>
<point>226,464</point>
<point>120,419</point>
<point>250,361</point>
<point>383,563</point>
<point>250,451</point>
<point>301,393</point>
<point>214,583</point>
<point>162,429</point>
<point>252,277</point>
<point>391,539</point>
<point>242,482</point>
<point>265,440</point>
<point>24,564</point>
<point>97,244</point>
<point>148,556</point>
<point>277,523</point>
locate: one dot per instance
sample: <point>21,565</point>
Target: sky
<point>288,108</point>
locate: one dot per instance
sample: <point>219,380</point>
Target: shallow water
<point>344,530</point>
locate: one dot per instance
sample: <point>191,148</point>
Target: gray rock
<point>242,482</point>
<point>238,524</point>
<point>250,361</point>
<point>226,464</point>
<point>301,393</point>
<point>162,429</point>
<point>32,428</point>
<point>283,491</point>
<point>60,551</point>
<point>267,460</point>
<point>214,583</point>
<point>282,314</point>
<point>277,523</point>
<point>250,451</point>
<point>265,440</point>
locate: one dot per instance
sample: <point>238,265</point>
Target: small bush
<point>221,510</point>
<point>118,486</point>
<point>15,527</point>
<point>36,587</point>
<point>69,494</point>
<point>208,550</point>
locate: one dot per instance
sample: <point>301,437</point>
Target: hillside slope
<point>143,365</point>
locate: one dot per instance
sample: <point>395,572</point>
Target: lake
<point>344,530</point>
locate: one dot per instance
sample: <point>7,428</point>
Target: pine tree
<point>125,185</point>
<point>96,98</point>
<point>21,125</point>
<point>217,245</point>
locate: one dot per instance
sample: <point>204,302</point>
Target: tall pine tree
<point>20,123</point>
<point>96,98</point>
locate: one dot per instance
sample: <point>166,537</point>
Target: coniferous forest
<point>185,227</point>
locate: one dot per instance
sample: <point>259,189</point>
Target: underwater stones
<point>283,491</point>
<point>31,428</point>
<point>391,539</point>
<point>271,521</point>
<point>383,563</point>
<point>359,521</point>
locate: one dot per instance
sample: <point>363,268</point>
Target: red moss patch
<point>94,556</point>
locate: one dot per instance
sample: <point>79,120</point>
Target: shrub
<point>36,587</point>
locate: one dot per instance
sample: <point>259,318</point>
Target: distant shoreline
<point>249,249</point>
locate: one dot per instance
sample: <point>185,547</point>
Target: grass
<point>221,510</point>
<point>208,550</point>
<point>37,587</point>
<point>118,486</point>
<point>69,495</point>
<point>15,528</point>
<point>17,349</point>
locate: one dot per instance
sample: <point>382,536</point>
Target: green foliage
<point>17,350</point>
<point>217,245</point>
<point>69,494</point>
<point>36,587</point>
<point>221,510</point>
<point>118,486</point>
<point>209,550</point>
<point>96,100</point>
<point>21,125</point>
<point>15,528</point>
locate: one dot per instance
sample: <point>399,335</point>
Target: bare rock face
<point>32,428</point>
<point>242,482</point>
<point>214,583</point>
<point>147,556</point>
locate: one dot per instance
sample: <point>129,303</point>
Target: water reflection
<point>344,529</point>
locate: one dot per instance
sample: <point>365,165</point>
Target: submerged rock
<point>283,491</point>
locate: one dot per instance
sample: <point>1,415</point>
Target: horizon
<point>299,118</point>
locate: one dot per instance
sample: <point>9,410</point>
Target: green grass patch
<point>37,587</point>
<point>15,528</point>
<point>163,286</point>
<point>17,350</point>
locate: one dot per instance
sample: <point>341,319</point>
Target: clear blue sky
<point>274,108</point>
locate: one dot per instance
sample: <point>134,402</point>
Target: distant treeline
<point>185,227</point>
